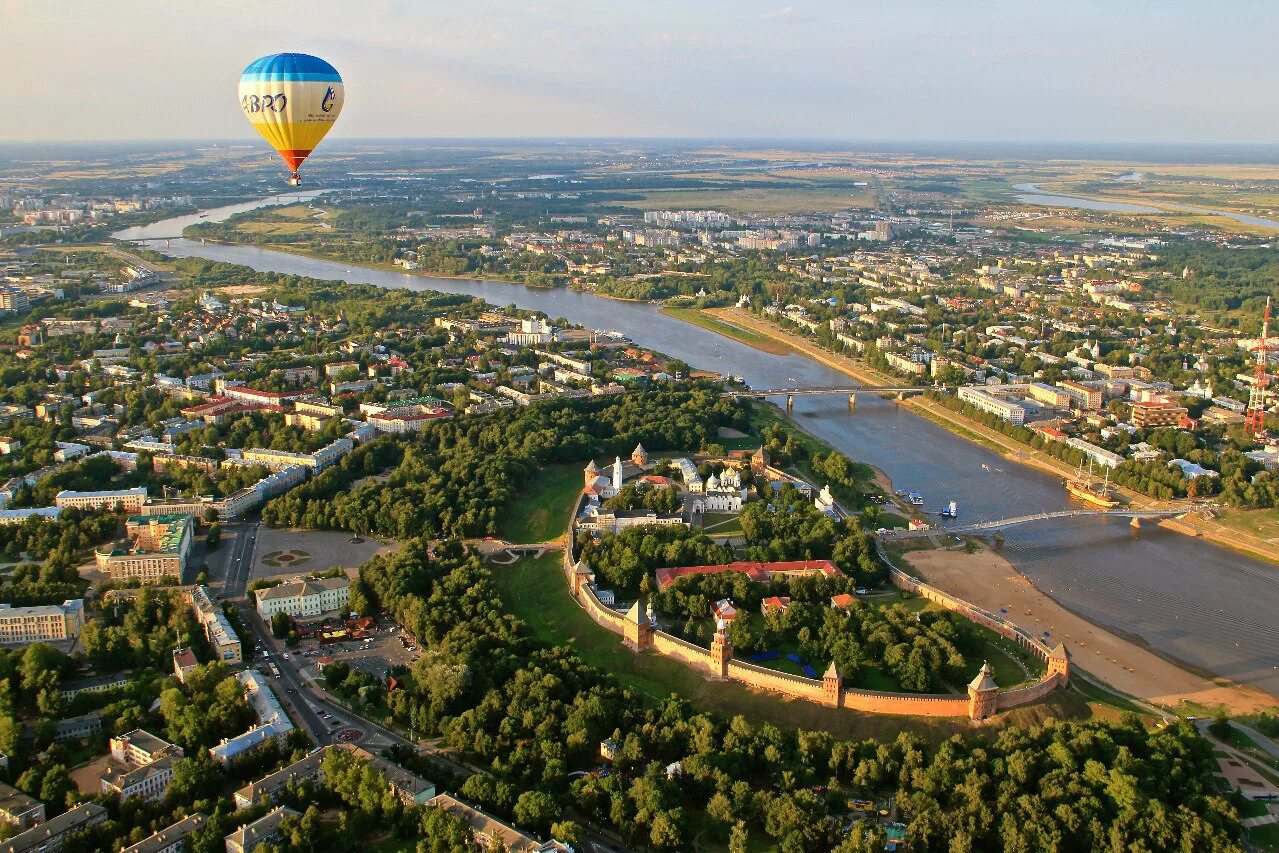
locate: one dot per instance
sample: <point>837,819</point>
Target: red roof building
<point>759,572</point>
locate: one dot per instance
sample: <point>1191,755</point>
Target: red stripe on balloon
<point>294,156</point>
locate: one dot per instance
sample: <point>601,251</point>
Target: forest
<point>454,476</point>
<point>533,714</point>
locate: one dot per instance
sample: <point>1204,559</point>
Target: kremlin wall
<point>637,631</point>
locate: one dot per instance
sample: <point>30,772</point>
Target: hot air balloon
<point>292,99</point>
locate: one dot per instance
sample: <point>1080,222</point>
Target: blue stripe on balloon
<point>287,77</point>
<point>291,66</point>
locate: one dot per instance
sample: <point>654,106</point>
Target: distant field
<point>757,200</point>
<point>286,221</point>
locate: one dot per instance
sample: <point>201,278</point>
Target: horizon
<point>914,70</point>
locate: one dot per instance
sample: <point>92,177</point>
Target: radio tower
<point>1255,420</point>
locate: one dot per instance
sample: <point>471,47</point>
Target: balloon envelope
<point>292,99</point>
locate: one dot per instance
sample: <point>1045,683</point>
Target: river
<point>1190,600</point>
<point>1031,194</point>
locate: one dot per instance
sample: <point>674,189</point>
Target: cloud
<point>778,14</point>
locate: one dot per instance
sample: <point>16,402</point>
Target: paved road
<point>239,563</point>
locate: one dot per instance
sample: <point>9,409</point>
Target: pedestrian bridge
<point>851,391</point>
<point>1135,515</point>
<point>813,390</point>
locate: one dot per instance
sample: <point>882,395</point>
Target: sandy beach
<point>991,582</point>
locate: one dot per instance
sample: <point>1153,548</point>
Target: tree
<point>536,810</point>
<point>281,625</point>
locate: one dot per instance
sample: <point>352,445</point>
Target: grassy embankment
<point>537,513</point>
<point>698,317</point>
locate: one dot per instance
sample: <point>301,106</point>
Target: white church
<point>723,492</point>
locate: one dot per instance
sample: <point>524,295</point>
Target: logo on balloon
<point>329,97</point>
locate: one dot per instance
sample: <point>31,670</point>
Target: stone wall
<point>778,682</point>
<point>681,650</point>
<point>813,690</point>
<point>906,704</point>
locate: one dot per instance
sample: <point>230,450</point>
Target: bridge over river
<point>1136,515</point>
<point>852,391</point>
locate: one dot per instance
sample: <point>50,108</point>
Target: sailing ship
<point>1091,491</point>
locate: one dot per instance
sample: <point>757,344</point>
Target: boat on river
<point>1091,491</point>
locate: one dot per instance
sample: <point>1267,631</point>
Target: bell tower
<point>721,650</point>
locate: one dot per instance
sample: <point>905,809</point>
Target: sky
<point>1033,70</point>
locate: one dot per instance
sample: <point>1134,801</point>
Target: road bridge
<point>902,391</point>
<point>1136,516</point>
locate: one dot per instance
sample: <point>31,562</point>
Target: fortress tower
<point>1059,664</point>
<point>833,687</point>
<point>591,472</point>
<point>639,456</point>
<point>983,694</point>
<point>721,650</point>
<point>637,631</point>
<point>582,575</point>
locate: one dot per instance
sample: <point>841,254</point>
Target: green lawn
<point>540,512</point>
<point>536,592</point>
<point>1265,837</point>
<point>721,524</point>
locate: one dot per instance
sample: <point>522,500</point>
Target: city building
<point>488,830</point>
<point>22,625</point>
<point>154,547</point>
<point>217,628</point>
<point>130,500</point>
<point>18,809</point>
<point>184,662</point>
<point>265,829</point>
<point>305,599</point>
<point>1156,414</point>
<point>141,765</point>
<point>272,725</point>
<point>408,787</point>
<point>171,839</point>
<point>49,837</point>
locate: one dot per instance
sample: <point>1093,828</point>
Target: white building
<point>34,624</point>
<point>306,599</point>
<point>130,499</point>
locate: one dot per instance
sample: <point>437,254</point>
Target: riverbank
<point>988,580</point>
<point>703,317</point>
<point>1233,539</point>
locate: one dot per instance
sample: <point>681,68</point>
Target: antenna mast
<point>1255,420</point>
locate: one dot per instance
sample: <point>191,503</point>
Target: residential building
<point>18,809</point>
<point>184,662</point>
<point>305,599</point>
<point>131,500</point>
<point>488,830</point>
<point>155,547</point>
<point>217,628</point>
<point>82,727</point>
<point>266,828</point>
<point>23,625</point>
<point>171,839</point>
<point>272,725</point>
<point>96,684</point>
<point>49,837</point>
<point>408,787</point>
<point>1156,414</point>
